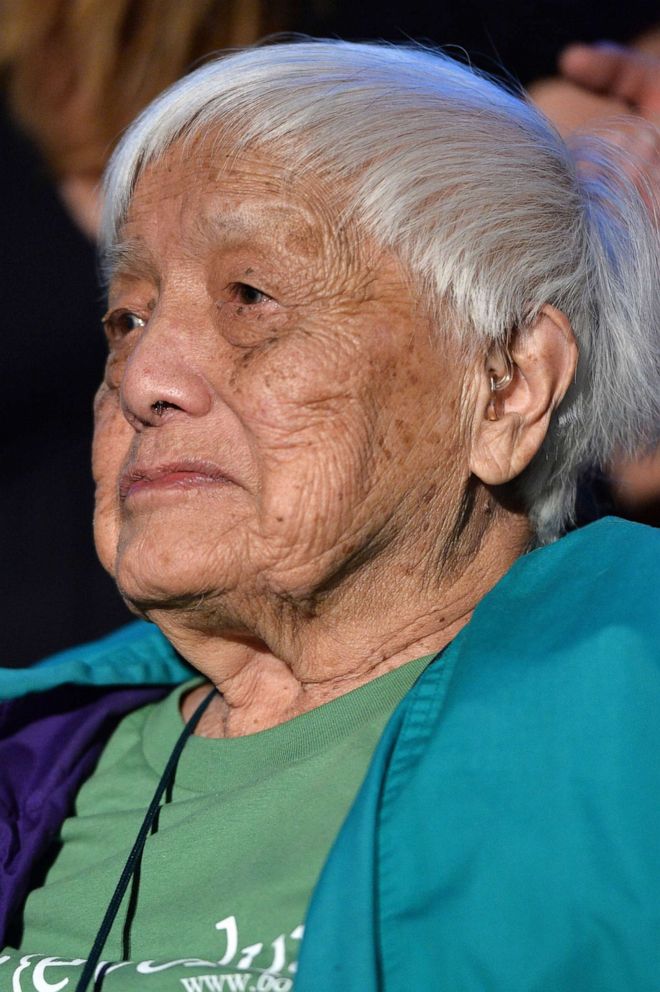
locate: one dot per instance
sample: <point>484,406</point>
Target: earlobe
<point>518,390</point>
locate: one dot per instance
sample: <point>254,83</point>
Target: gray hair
<point>478,195</point>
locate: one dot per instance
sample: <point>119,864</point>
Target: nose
<point>160,379</point>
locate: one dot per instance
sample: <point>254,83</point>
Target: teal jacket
<point>507,835</point>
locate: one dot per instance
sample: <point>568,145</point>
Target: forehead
<point>199,197</point>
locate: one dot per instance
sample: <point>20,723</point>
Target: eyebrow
<point>133,259</point>
<point>215,230</point>
<point>128,258</point>
<point>220,230</point>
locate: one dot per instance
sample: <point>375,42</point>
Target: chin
<point>176,600</point>
<point>160,566</point>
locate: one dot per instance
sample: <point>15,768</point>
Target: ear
<point>510,424</point>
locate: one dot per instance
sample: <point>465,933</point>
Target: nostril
<point>158,381</point>
<point>160,406</point>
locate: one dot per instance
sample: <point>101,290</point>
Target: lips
<point>189,474</point>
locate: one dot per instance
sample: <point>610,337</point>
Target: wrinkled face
<point>274,409</point>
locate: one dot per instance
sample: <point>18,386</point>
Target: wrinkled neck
<point>291,667</point>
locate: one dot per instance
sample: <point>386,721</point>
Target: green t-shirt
<point>226,880</point>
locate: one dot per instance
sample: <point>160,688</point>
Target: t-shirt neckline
<point>207,764</point>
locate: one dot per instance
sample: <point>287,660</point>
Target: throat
<point>264,691</point>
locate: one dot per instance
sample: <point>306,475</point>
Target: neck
<point>280,669</point>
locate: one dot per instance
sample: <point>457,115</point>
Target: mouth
<point>173,475</point>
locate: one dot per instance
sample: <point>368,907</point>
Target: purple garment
<point>49,744</point>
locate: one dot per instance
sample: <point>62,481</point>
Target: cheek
<point>112,438</point>
<point>296,381</point>
<point>315,430</point>
<point>307,403</point>
<point>417,396</point>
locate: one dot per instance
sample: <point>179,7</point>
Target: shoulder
<point>136,654</point>
<point>526,769</point>
<point>581,608</point>
<point>560,661</point>
<point>597,573</point>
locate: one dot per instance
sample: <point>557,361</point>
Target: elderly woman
<point>368,318</point>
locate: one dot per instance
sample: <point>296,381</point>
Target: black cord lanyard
<point>133,861</point>
<point>132,866</point>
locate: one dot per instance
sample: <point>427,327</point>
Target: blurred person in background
<point>75,73</point>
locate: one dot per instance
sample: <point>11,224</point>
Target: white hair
<point>478,195</point>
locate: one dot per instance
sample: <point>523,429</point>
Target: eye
<point>119,323</point>
<point>248,295</point>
